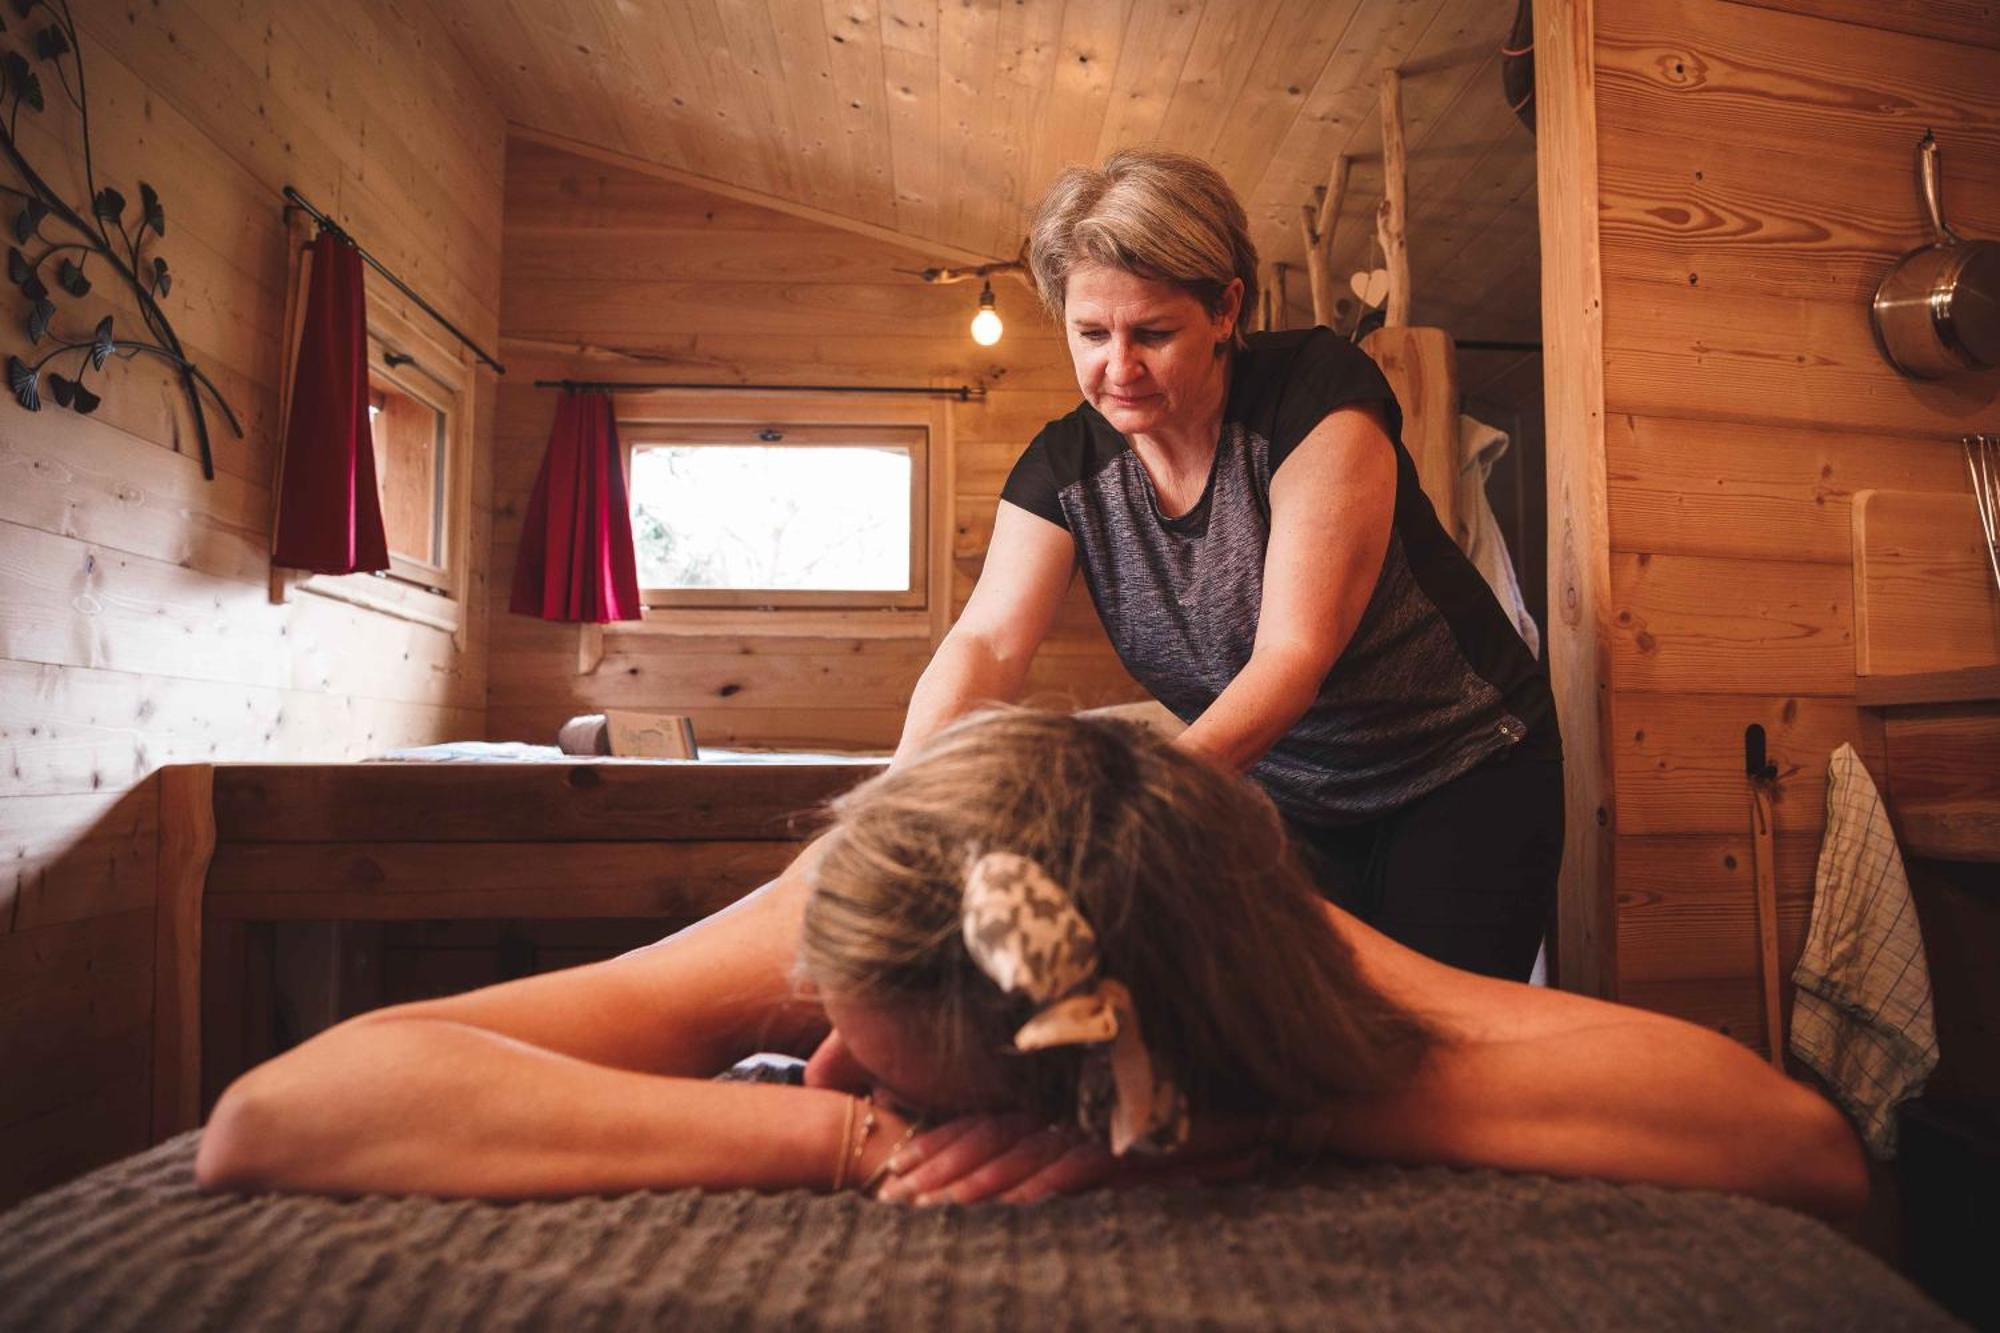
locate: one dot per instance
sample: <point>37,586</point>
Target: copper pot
<point>1937,313</point>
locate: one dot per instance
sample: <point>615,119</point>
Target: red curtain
<point>329,515</point>
<point>575,560</point>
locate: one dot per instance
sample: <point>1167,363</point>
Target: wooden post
<point>1581,601</point>
<point>1281,305</point>
<point>187,842</point>
<point>1392,221</point>
<point>1318,281</point>
<point>1316,224</point>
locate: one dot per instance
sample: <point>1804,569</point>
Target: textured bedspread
<point>134,1247</point>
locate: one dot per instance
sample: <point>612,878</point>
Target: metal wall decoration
<point>97,230</point>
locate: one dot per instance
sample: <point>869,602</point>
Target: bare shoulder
<point>1531,1079</point>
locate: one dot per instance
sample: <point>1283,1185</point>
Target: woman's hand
<point>1018,1159</point>
<point>1014,1158</point>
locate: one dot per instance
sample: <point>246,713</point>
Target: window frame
<point>436,373</point>
<point>921,610</point>
<point>914,595</point>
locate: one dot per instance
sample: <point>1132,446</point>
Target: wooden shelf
<point>1978,684</point>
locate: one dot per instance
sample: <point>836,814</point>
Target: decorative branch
<point>101,233</point>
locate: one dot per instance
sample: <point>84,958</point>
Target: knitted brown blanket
<point>134,1247</point>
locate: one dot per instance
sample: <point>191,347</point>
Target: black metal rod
<point>1493,345</point>
<point>299,201</point>
<point>964,393</point>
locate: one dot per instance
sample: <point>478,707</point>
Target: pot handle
<point>1927,154</point>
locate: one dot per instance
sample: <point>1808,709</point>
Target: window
<point>410,415</point>
<point>801,515</point>
<point>419,415</point>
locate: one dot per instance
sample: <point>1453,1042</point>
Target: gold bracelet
<point>860,1140</point>
<point>840,1154</point>
<point>887,1166</point>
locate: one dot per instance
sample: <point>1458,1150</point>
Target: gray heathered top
<point>1434,680</point>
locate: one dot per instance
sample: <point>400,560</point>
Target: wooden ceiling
<point>942,120</point>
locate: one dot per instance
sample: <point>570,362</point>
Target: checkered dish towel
<point>1861,1017</point>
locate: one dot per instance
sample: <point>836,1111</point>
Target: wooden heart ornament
<point>1371,285</point>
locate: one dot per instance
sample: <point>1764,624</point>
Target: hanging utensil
<point>1982,460</point>
<point>1762,776</point>
<point>1937,312</point>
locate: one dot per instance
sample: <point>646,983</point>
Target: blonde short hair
<point>1152,213</point>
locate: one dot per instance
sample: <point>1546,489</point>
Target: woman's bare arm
<point>985,656</point>
<point>573,1082</point>
<point>1532,1079</point>
<point>1333,501</point>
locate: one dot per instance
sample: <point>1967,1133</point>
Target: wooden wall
<point>136,628</point>
<point>1750,172</point>
<point>614,273</point>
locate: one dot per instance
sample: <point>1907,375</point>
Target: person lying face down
<point>1058,921</point>
<point>1066,917</point>
<point>1079,956</point>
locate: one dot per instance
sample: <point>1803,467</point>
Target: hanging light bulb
<point>986,324</point>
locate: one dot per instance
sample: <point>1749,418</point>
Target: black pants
<point>1465,874</point>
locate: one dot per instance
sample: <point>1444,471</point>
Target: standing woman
<point>1257,546</point>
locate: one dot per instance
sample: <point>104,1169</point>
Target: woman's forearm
<point>426,1106</point>
<point>965,672</point>
<point>1269,695</point>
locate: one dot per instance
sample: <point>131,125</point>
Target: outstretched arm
<point>984,658</point>
<point>1531,1079</point>
<point>584,1081</point>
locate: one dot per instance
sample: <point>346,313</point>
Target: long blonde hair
<point>1247,996</point>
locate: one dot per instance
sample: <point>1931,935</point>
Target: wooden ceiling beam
<point>762,199</point>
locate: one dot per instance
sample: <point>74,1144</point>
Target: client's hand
<point>1015,1158</point>
<point>1018,1159</point>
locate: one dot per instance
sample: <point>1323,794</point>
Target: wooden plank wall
<point>611,273</point>
<point>1756,171</point>
<point>136,628</point>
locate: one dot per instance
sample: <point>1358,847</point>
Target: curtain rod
<point>964,393</point>
<point>299,201</point>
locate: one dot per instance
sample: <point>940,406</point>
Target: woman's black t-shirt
<point>1435,678</point>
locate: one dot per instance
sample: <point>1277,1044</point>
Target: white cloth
<point>1479,448</point>
<point>1861,1018</point>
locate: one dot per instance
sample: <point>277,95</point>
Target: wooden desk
<point>248,844</point>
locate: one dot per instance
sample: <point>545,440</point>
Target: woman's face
<point>875,1047</point>
<point>1144,349</point>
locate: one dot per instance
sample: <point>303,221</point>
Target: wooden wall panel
<point>137,628</point>
<point>1755,180</point>
<point>612,273</point>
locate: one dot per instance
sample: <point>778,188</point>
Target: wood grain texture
<point>1973,22</point>
<point>1752,491</point>
<point>1680,758</point>
<point>1580,591</point>
<point>1943,770</point>
<point>137,628</point>
<point>1784,625</point>
<point>309,881</point>
<point>1754,180</point>
<point>943,124</point>
<point>612,802</point>
<point>187,843</point>
<point>631,302</point>
<point>1925,597</point>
